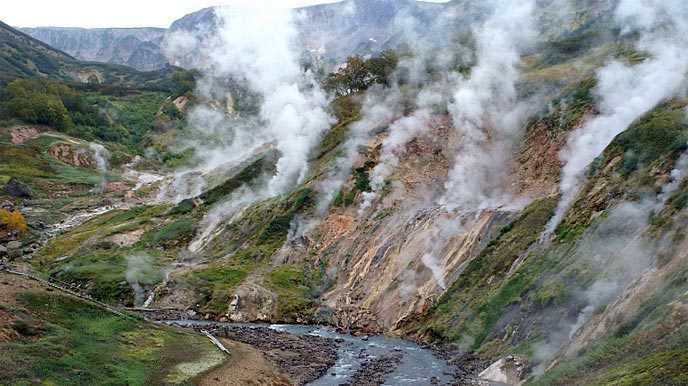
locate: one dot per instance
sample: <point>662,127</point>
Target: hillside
<point>510,190</point>
<point>25,57</point>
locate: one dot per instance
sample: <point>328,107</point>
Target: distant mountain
<point>22,56</point>
<point>337,30</point>
<point>332,31</point>
<point>135,47</point>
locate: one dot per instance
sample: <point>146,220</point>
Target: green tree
<point>357,74</point>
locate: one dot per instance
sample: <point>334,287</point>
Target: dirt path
<point>246,367</point>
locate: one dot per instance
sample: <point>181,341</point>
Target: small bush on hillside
<point>12,222</point>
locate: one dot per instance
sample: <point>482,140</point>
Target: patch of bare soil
<point>10,287</point>
<point>245,367</point>
<point>21,134</point>
<point>304,358</point>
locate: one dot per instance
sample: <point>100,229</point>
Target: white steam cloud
<point>400,133</point>
<point>379,108</point>
<point>254,50</point>
<point>140,268</point>
<point>486,110</point>
<point>102,157</point>
<point>257,46</point>
<point>626,92</point>
<point>618,248</point>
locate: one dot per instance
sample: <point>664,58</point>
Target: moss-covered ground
<point>64,341</point>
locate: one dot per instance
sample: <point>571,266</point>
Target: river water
<point>419,366</point>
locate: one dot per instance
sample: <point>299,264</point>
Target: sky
<point>118,13</point>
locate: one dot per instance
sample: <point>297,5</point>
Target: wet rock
<point>251,302</point>
<point>374,371</point>
<point>17,189</point>
<point>3,251</point>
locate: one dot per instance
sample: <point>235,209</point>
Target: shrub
<point>12,222</point>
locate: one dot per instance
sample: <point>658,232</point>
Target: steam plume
<point>102,156</point>
<point>626,92</point>
<point>139,267</point>
<point>254,49</point>
<point>486,110</point>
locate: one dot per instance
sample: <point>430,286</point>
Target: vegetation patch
<point>177,233</point>
<point>215,285</point>
<point>83,345</point>
<point>469,309</point>
<point>296,286</point>
<point>245,176</point>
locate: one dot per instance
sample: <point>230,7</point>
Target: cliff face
<point>135,47</point>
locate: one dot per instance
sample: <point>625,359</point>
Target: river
<point>407,363</point>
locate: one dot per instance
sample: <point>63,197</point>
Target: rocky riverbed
<point>305,358</point>
<point>320,356</point>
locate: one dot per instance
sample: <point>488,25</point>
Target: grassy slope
<point>245,246</point>
<point>84,256</point>
<point>30,163</point>
<point>64,341</point>
<point>485,312</point>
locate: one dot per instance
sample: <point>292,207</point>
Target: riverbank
<point>320,356</point>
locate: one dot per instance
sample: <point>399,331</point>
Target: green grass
<point>107,224</point>
<point>215,285</point>
<point>82,256</point>
<point>640,156</point>
<point>662,131</point>
<point>84,345</point>
<point>104,273</point>
<point>650,359</point>
<point>180,231</point>
<point>295,285</point>
<point>31,164</point>
<point>245,176</point>
<point>469,309</point>
<point>245,245</point>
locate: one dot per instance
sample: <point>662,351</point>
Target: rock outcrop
<point>17,189</point>
<point>72,154</point>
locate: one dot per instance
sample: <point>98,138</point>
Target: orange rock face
<point>72,155</point>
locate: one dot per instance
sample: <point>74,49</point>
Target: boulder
<point>3,251</point>
<point>14,249</point>
<point>17,189</point>
<point>509,370</point>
